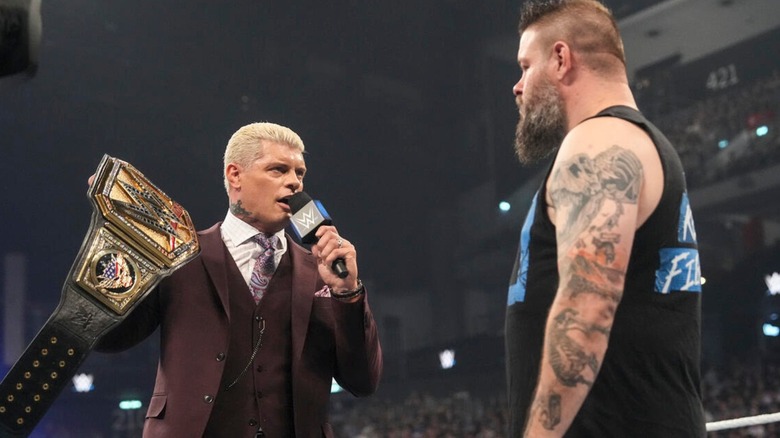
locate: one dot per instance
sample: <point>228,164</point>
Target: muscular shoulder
<point>600,134</point>
<point>608,153</point>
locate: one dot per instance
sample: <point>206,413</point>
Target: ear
<point>562,58</point>
<point>233,175</point>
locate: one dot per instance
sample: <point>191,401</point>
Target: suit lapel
<point>215,259</point>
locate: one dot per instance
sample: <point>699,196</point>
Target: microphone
<point>307,216</point>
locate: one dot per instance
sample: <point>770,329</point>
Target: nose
<point>517,89</point>
<point>293,181</point>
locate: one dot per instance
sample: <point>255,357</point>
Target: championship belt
<point>137,236</point>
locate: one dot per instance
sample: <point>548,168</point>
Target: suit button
<point>259,394</point>
<point>208,399</point>
<point>259,368</point>
<point>258,318</point>
<point>253,422</point>
<point>220,357</point>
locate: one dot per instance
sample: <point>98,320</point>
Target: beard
<point>542,124</point>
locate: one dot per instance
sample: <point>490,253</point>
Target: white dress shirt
<point>238,235</point>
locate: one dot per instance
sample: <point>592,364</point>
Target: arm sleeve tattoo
<point>591,197</point>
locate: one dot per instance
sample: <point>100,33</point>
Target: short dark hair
<point>587,25</point>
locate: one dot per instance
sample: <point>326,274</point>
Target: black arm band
<point>348,295</point>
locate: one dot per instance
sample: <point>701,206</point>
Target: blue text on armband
<point>686,232</point>
<point>679,271</point>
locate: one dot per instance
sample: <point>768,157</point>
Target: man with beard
<point>603,310</point>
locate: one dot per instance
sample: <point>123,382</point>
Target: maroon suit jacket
<point>329,339</point>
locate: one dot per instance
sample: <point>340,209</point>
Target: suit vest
<point>261,398</point>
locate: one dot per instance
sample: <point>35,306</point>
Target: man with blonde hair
<point>254,329</point>
<point>603,310</point>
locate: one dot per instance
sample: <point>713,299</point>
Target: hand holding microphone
<point>312,224</point>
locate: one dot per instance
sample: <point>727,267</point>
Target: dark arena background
<point>408,117</point>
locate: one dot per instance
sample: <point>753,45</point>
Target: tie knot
<point>266,241</point>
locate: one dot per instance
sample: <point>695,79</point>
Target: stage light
<point>447,359</point>
<point>127,405</point>
<point>722,144</point>
<point>771,330</point>
<point>20,36</point>
<point>772,284</point>
<point>504,206</point>
<point>334,387</point>
<point>83,382</point>
<point>762,130</point>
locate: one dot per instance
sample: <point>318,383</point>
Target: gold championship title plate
<point>137,236</point>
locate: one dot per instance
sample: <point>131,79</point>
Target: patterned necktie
<point>264,266</point>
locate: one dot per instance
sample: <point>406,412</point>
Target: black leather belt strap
<point>138,235</point>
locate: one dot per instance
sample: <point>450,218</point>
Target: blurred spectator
<point>716,138</point>
<point>424,416</point>
<point>747,386</point>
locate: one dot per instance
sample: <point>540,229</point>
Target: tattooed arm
<point>593,193</point>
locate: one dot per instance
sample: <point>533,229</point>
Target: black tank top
<point>649,383</point>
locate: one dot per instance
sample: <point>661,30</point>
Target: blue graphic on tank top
<point>520,272</point>
<point>679,269</point>
<point>686,232</point>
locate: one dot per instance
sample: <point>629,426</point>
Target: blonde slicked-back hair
<point>586,25</point>
<point>246,145</point>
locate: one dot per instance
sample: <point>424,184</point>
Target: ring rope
<point>742,422</point>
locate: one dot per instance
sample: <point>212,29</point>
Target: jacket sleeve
<point>358,353</point>
<point>137,325</point>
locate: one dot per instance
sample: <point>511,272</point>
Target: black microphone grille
<point>298,200</point>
